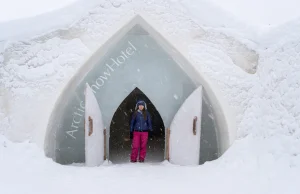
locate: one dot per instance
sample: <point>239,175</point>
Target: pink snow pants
<point>139,141</point>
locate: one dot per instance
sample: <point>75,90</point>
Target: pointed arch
<point>64,139</point>
<point>119,144</point>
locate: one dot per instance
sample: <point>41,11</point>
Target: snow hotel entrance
<point>90,121</point>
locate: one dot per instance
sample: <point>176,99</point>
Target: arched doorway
<point>137,56</point>
<point>119,146</point>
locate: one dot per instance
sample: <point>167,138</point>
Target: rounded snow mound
<point>264,159</point>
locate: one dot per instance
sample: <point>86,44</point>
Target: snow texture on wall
<point>264,160</point>
<point>34,71</point>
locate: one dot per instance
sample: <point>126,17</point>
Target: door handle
<point>104,135</point>
<point>90,126</point>
<point>194,125</point>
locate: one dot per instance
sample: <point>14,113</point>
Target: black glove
<point>150,134</point>
<point>131,135</point>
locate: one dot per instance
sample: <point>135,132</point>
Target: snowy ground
<point>25,170</point>
<point>265,159</point>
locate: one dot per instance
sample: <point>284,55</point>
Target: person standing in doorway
<point>140,126</point>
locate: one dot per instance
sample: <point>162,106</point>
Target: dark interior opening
<point>119,146</point>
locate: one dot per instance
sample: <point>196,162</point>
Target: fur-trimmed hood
<point>141,102</point>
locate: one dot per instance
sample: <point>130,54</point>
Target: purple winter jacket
<point>138,123</point>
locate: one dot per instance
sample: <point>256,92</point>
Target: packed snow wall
<point>36,70</point>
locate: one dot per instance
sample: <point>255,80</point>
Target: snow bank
<point>246,170</point>
<point>16,9</point>
<point>25,28</point>
<point>261,13</point>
